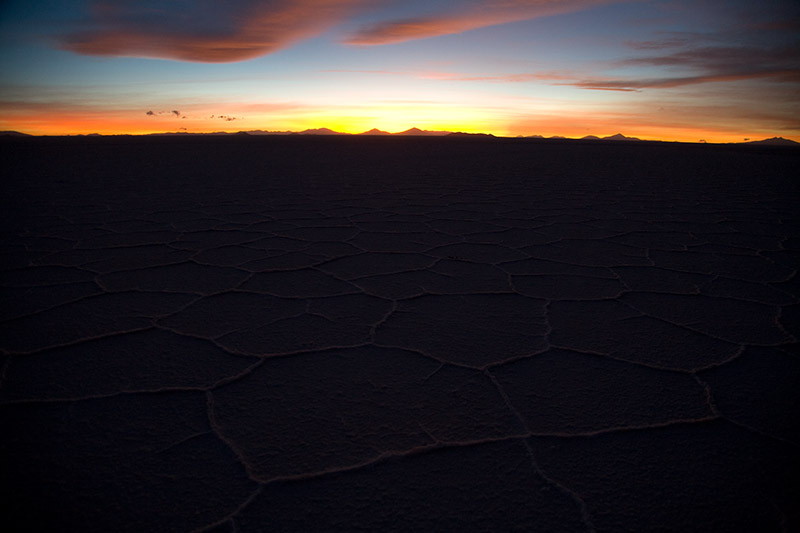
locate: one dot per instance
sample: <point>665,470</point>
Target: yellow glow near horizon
<point>391,117</point>
<point>601,68</point>
<point>395,118</point>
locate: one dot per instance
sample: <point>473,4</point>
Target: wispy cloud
<point>461,76</point>
<point>521,77</point>
<point>668,83</point>
<point>226,118</point>
<point>724,58</point>
<point>201,30</point>
<point>151,113</point>
<point>236,30</point>
<point>707,65</point>
<point>687,66</point>
<point>469,15</point>
<point>178,114</point>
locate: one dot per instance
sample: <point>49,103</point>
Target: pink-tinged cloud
<point>210,31</point>
<point>466,16</point>
<point>504,78</point>
<point>691,66</point>
<point>631,85</point>
<point>458,76</point>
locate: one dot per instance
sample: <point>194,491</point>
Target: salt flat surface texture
<point>391,334</point>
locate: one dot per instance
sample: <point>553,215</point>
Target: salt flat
<point>434,334</point>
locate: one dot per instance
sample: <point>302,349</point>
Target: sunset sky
<point>718,70</point>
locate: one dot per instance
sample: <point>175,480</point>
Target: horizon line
<point>410,132</point>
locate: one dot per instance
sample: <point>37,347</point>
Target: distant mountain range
<point>416,132</point>
<point>615,137</point>
<point>374,131</point>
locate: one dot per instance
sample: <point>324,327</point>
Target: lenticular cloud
<point>237,30</point>
<point>201,30</point>
<point>470,15</point>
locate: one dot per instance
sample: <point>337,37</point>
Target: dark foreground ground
<point>438,334</point>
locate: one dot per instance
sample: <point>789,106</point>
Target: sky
<point>676,70</point>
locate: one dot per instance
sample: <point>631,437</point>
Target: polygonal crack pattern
<point>338,336</point>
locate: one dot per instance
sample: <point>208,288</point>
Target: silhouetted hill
<point>426,133</point>
<point>464,134</point>
<point>619,137</point>
<point>266,132</point>
<point>775,141</point>
<point>320,131</point>
<point>375,131</point>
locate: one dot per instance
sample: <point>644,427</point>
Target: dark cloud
<point>725,58</point>
<point>173,112</point>
<point>216,31</point>
<point>178,114</point>
<point>706,65</point>
<point>201,30</point>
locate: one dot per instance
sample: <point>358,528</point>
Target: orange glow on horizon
<point>510,68</point>
<point>392,119</point>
